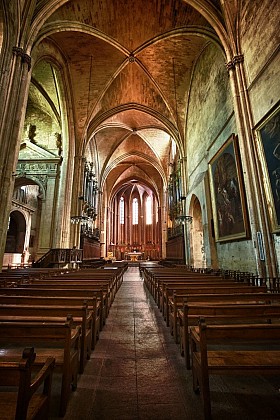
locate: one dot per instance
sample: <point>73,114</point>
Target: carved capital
<point>238,59</point>
<point>235,60</point>
<point>18,51</point>
<point>230,66</point>
<point>25,58</point>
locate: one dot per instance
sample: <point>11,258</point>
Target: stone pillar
<point>47,219</point>
<point>255,198</point>
<point>185,223</point>
<point>12,119</point>
<point>162,220</point>
<point>76,205</point>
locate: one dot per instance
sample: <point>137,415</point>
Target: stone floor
<point>137,373</point>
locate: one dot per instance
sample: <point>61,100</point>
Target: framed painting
<point>268,136</point>
<point>227,191</point>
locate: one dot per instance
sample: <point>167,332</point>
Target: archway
<point>197,239</point>
<point>133,229</point>
<point>14,249</point>
<point>16,233</point>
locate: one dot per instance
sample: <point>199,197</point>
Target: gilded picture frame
<point>268,142</point>
<point>227,192</point>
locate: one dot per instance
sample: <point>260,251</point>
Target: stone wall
<point>260,21</point>
<point>211,122</point>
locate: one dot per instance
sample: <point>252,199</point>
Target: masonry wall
<point>259,39</point>
<point>211,122</point>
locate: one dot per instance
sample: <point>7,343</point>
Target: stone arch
<point>16,233</point>
<point>196,234</point>
<point>1,26</point>
<point>28,198</point>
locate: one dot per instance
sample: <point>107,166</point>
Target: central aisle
<point>136,371</point>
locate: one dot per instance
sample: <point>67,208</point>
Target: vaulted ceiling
<point>130,65</point>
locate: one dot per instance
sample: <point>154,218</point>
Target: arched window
<point>135,211</point>
<point>148,210</point>
<point>122,211</point>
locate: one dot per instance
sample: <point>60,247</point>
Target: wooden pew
<point>77,284</point>
<point>81,315</point>
<point>113,275</point>
<point>65,291</point>
<point>101,291</point>
<point>261,357</point>
<point>176,301</point>
<point>224,314</point>
<point>159,282</point>
<point>92,303</point>
<point>167,287</point>
<point>222,299</point>
<point>58,340</point>
<point>152,277</point>
<point>23,275</point>
<point>27,400</point>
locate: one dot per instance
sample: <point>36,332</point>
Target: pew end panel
<point>28,393</point>
<point>59,340</point>
<point>236,349</point>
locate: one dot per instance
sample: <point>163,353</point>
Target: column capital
<point>235,60</point>
<point>25,58</point>
<point>238,59</point>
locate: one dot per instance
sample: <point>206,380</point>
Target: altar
<point>134,256</point>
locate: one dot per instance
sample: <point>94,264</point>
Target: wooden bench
<point>169,289</point>
<point>166,287</point>
<point>92,302</point>
<point>81,315</point>
<point>58,340</point>
<point>153,277</point>
<point>261,356</point>
<point>101,292</point>
<point>159,283</point>
<point>78,284</point>
<point>30,396</point>
<point>223,314</point>
<point>107,281</point>
<point>113,276</point>
<point>176,301</point>
<point>64,291</point>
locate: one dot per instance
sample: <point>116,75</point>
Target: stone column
<point>255,198</point>
<point>185,223</point>
<point>12,119</point>
<point>162,220</point>
<point>47,222</point>
<point>76,205</point>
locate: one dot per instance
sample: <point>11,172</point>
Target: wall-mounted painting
<point>269,149</point>
<point>227,190</point>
